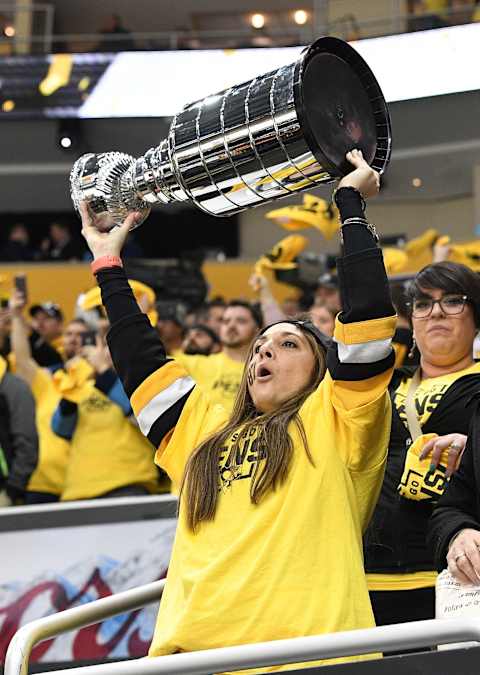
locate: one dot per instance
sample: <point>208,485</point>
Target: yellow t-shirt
<point>53,451</point>
<point>217,375</point>
<point>293,564</point>
<point>427,396</point>
<point>107,451</point>
<point>436,6</point>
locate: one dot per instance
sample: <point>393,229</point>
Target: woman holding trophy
<point>275,498</point>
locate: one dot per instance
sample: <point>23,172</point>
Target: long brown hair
<point>200,486</point>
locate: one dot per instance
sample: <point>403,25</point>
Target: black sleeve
<point>457,507</point>
<point>137,354</point>
<point>364,288</point>
<point>134,344</point>
<point>365,295</point>
<point>23,431</point>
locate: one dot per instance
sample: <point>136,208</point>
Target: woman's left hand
<point>101,242</point>
<point>454,443</point>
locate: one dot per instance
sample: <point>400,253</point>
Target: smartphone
<point>89,338</point>
<point>20,282</point>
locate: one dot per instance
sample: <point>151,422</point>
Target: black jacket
<point>19,438</point>
<point>395,541</point>
<point>459,507</point>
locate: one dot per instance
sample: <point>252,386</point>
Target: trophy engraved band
<point>279,133</point>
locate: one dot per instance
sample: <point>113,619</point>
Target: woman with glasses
<point>432,408</point>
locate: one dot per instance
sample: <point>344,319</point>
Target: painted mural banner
<point>87,563</point>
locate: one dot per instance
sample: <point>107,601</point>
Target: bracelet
<point>360,221</point>
<point>105,261</point>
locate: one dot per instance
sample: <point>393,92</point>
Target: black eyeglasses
<point>449,304</point>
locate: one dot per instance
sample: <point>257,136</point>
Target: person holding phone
<point>108,455</point>
<point>47,481</point>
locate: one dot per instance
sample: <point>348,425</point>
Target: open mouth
<point>263,373</point>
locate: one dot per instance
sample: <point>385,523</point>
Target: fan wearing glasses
<point>433,405</point>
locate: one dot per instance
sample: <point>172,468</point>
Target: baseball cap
<point>51,309</point>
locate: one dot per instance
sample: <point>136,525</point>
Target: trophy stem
<point>152,178</point>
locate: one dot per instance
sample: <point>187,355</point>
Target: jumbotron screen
<point>159,84</point>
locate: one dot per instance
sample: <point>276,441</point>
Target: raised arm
<point>25,366</point>
<point>362,357</point>
<point>157,386</point>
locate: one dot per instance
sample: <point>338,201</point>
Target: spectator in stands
<point>200,339</point>
<point>327,292</point>
<point>323,317</point>
<point>18,437</point>
<point>454,532</point>
<point>17,248</point>
<point>47,325</point>
<point>5,327</point>
<point>60,244</point>
<point>476,11</point>
<point>290,306</point>
<point>321,314</point>
<point>274,497</point>
<point>108,455</point>
<point>47,481</point>
<point>212,314</point>
<point>170,327</point>
<point>116,38</point>
<point>219,375</point>
<point>432,408</point>
<point>427,14</point>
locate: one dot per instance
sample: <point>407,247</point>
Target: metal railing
<point>24,640</point>
<point>296,650</point>
<point>346,26</point>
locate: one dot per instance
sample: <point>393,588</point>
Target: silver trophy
<point>278,134</point>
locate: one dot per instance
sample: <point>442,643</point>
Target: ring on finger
<point>455,446</point>
<point>460,555</point>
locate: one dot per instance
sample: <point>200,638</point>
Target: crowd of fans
<point>91,408</point>
<point>71,398</point>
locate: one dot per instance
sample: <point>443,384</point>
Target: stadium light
<point>9,31</point>
<point>69,134</point>
<point>300,16</point>
<point>257,20</point>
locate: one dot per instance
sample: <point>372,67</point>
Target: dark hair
<point>205,329</point>
<point>449,277</point>
<point>399,298</point>
<point>254,311</point>
<point>215,302</point>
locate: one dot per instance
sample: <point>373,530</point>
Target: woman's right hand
<point>464,557</point>
<point>364,179</point>
<point>105,243</point>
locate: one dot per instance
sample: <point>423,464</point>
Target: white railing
<point>24,640</point>
<point>386,638</point>
<point>346,26</point>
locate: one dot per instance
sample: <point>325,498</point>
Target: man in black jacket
<point>18,436</point>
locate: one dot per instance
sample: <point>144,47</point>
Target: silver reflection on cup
<point>278,134</point>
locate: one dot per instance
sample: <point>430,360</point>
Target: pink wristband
<point>105,261</point>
